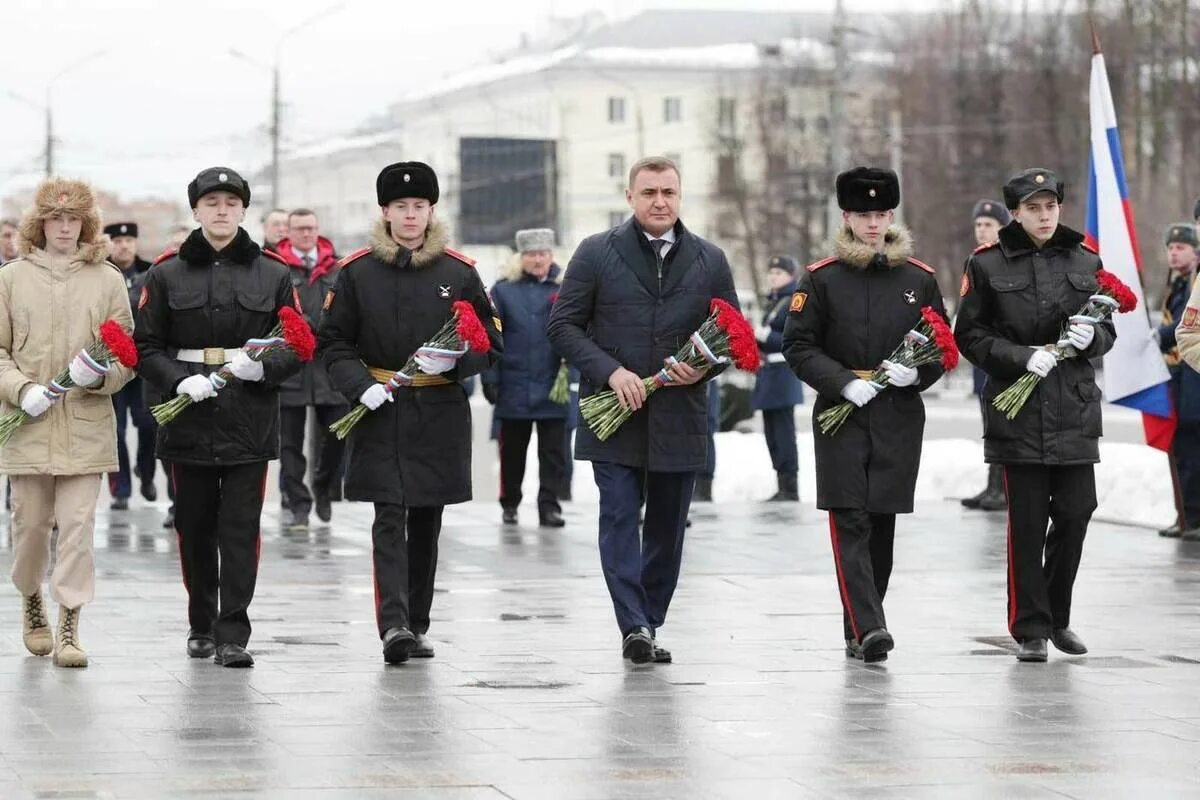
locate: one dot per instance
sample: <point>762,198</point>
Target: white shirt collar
<point>668,237</point>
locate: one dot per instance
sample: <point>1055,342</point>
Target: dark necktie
<point>308,261</point>
<point>659,245</point>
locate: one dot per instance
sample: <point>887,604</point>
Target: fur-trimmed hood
<point>59,195</point>
<point>512,270</point>
<point>387,250</point>
<point>897,247</point>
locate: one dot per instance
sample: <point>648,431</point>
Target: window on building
<point>615,218</point>
<point>616,109</point>
<point>672,109</point>
<point>616,165</point>
<point>727,114</point>
<point>507,184</point>
<point>726,174</point>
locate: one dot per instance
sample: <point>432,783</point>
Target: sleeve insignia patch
<point>798,301</point>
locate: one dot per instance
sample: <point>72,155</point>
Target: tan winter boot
<point>68,652</point>
<point>35,628</point>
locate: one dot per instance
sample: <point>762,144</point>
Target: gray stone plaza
<point>528,696</point>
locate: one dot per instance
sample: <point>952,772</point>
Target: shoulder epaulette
<point>1089,248</point>
<point>345,260</point>
<point>983,247</point>
<point>170,251</point>
<point>824,262</point>
<point>916,262</point>
<point>276,256</point>
<point>470,262</point>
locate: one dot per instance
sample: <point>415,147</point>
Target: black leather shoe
<point>551,519</point>
<point>397,644</point>
<point>324,508</point>
<point>661,655</point>
<point>1067,641</point>
<point>876,645</point>
<point>169,520</point>
<point>973,502</point>
<point>200,645</point>
<point>298,522</point>
<point>422,647</point>
<point>1173,532</point>
<point>1032,650</point>
<point>119,504</point>
<point>233,656</point>
<point>853,650</point>
<point>638,646</point>
<point>510,516</point>
<point>149,491</point>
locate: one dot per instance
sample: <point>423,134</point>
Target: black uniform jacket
<point>387,302</point>
<point>1017,297</point>
<point>849,313</point>
<point>200,298</point>
<point>615,310</point>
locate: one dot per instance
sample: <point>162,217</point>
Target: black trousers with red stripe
<point>862,554</point>
<point>404,547</point>
<point>1042,564</point>
<point>217,515</point>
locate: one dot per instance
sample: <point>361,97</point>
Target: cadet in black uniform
<point>1016,295</point>
<point>849,313</point>
<point>197,309</point>
<point>412,454</point>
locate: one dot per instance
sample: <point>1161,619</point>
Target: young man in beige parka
<point>53,299</point>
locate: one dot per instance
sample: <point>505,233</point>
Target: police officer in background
<point>411,455</point>
<point>1016,296</point>
<point>130,402</point>
<point>312,267</point>
<point>198,308</point>
<point>989,216</point>
<point>777,391</point>
<point>849,313</point>
<point>1182,244</point>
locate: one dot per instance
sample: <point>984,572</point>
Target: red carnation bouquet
<point>112,344</point>
<point>724,337</point>
<point>290,333</point>
<point>1112,296</point>
<point>930,342</point>
<point>461,332</point>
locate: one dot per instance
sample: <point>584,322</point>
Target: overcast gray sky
<point>163,97</point>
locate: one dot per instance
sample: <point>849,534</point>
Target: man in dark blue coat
<point>777,390</point>
<point>631,297</point>
<point>1182,244</point>
<point>520,384</point>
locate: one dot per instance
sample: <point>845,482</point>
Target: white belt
<point>212,356</point>
<point>776,358</point>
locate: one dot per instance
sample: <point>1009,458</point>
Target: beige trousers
<point>38,501</point>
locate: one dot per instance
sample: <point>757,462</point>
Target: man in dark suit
<point>631,297</point>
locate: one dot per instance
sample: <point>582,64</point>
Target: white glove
<point>859,392</point>
<point>375,396</point>
<point>434,364</point>
<point>1080,335</point>
<point>762,333</point>
<point>197,387</point>
<point>1041,362</point>
<point>246,368</point>
<point>899,375</point>
<point>83,375</point>
<point>35,403</point>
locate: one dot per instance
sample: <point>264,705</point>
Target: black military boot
<point>703,492</point>
<point>1173,532</point>
<point>789,491</point>
<point>994,498</point>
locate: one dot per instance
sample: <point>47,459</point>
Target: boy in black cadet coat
<point>631,297</point>
<point>1016,295</point>
<point>411,455</point>
<point>849,313</point>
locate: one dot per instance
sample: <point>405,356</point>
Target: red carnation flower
<point>119,343</point>
<point>297,333</point>
<point>1114,287</point>
<point>469,329</point>
<point>553,298</point>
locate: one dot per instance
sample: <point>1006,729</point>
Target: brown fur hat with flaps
<point>61,195</point>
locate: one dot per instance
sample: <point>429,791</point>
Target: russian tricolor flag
<point>1134,373</point>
